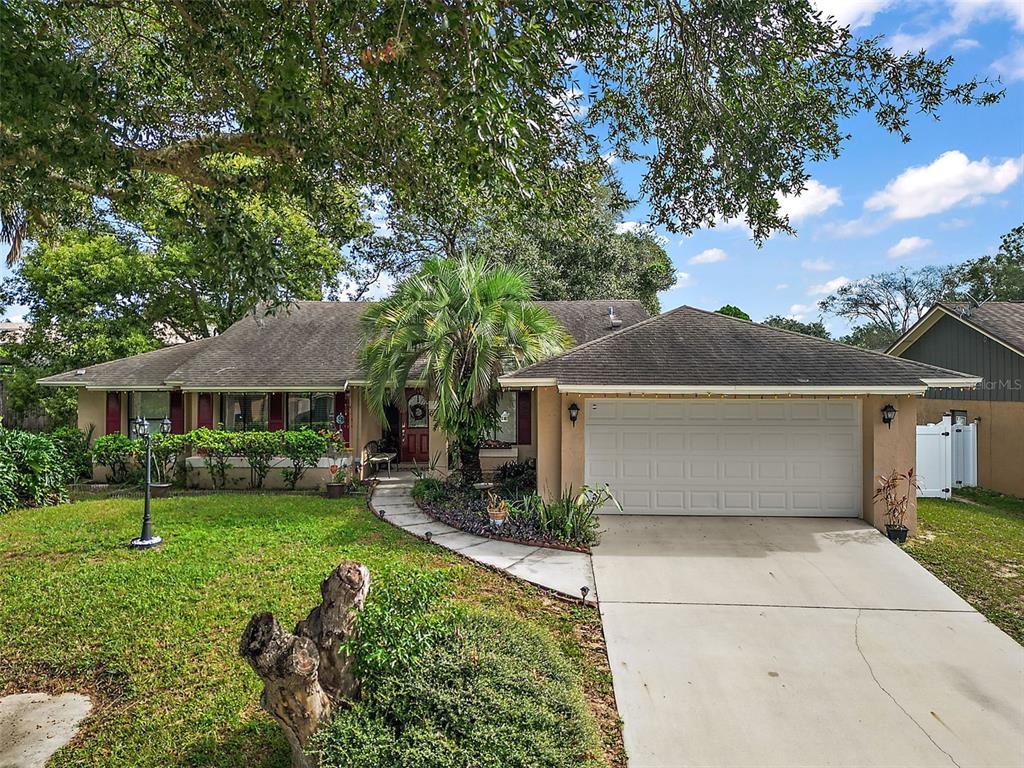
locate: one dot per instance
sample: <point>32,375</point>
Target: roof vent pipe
<point>613,321</point>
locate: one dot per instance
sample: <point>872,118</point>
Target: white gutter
<point>740,390</point>
<point>965,383</point>
<point>513,382</point>
<point>307,388</point>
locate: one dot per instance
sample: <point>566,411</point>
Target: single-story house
<point>689,412</point>
<point>987,341</point>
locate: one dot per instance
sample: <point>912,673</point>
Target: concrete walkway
<point>756,642</point>
<point>554,569</point>
<point>35,725</point>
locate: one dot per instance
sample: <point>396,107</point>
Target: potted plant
<point>166,452</point>
<point>335,489</point>
<point>896,502</point>
<point>497,510</point>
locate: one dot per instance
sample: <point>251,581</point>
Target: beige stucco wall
<point>886,449</point>
<point>560,445</point>
<point>364,426</point>
<point>92,411</point>
<point>1000,439</point>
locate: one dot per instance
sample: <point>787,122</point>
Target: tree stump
<point>306,674</point>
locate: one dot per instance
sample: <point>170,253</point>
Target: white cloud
<point>949,180</point>
<point>852,13</point>
<point>965,44</point>
<point>908,245</point>
<point>859,227</point>
<point>829,287</point>
<point>1011,66</point>
<point>800,311</point>
<point>628,226</point>
<point>683,279</point>
<point>724,223</point>
<point>781,286</point>
<point>962,14</point>
<point>817,265</point>
<point>815,199</point>
<point>610,157</point>
<point>710,256</point>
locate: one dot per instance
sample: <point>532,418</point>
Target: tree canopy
<point>725,103</point>
<point>817,328</point>
<point>460,323</point>
<point>733,311</point>
<point>999,276</point>
<point>572,249</point>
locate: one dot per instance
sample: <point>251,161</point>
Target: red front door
<point>415,443</point>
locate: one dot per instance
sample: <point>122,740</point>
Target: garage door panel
<point>727,457</point>
<point>772,470</point>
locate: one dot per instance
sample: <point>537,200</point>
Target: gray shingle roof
<point>1002,319</point>
<point>693,347</point>
<point>314,345</point>
<point>150,369</point>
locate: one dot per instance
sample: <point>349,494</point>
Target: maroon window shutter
<point>177,415</point>
<point>204,415</point>
<point>341,406</point>
<point>275,416</point>
<point>113,413</point>
<point>524,417</point>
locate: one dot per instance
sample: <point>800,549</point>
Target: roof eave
<point>734,389</point>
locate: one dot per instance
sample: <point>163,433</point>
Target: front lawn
<point>975,544</point>
<point>153,636</point>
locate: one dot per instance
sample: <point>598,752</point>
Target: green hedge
<point>124,457</point>
<point>457,688</point>
<point>33,470</point>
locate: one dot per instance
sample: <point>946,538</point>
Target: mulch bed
<point>470,515</point>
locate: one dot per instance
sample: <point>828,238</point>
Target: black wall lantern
<point>574,413</point>
<point>888,414</point>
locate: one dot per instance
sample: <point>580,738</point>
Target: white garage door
<point>727,457</point>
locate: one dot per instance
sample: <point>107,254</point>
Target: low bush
<point>303,449</point>
<point>167,451</point>
<point>485,691</point>
<point>259,449</point>
<point>516,478</point>
<point>73,444</point>
<point>573,516</point>
<point>33,471</point>
<point>429,489</point>
<point>119,454</point>
<point>216,447</point>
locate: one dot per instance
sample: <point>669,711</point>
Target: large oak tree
<point>724,101</point>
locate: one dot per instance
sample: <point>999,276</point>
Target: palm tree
<point>458,324</point>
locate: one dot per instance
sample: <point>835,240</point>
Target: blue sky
<point>945,197</point>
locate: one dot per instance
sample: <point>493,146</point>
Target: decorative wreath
<point>418,411</point>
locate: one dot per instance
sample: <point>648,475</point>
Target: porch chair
<point>374,457</point>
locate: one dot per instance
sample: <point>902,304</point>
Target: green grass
<point>153,636</point>
<point>975,544</point>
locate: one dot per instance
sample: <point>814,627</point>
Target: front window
<point>154,407</point>
<point>245,413</point>
<point>311,410</point>
<point>507,418</point>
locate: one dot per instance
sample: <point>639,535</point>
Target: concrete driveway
<point>798,642</point>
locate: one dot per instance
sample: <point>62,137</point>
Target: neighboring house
<point>987,341</point>
<point>689,412</point>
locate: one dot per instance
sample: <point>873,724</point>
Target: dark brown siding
<point>951,344</point>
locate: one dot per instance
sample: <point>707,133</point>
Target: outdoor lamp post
<point>147,539</point>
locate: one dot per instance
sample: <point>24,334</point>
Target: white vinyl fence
<point>947,457</point>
